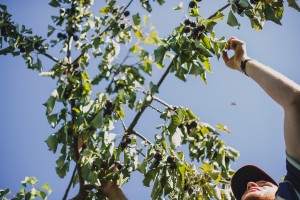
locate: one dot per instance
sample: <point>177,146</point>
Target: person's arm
<point>283,90</point>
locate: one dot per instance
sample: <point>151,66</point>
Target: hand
<point>239,48</point>
<point>111,189</point>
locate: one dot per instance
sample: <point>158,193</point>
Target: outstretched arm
<point>281,89</point>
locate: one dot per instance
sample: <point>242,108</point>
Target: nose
<point>251,184</point>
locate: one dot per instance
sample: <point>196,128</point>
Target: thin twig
<point>162,102</point>
<point>70,183</point>
<point>155,109</point>
<point>221,9</point>
<point>123,124</point>
<point>133,132</point>
<point>50,57</point>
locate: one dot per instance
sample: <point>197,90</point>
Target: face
<point>260,190</point>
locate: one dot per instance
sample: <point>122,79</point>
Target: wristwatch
<point>243,65</point>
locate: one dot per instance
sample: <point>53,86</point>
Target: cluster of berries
<point>158,157</point>
<point>126,14</point>
<point>196,30</point>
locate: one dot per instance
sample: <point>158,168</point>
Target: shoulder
<point>289,189</point>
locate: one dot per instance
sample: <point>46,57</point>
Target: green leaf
<point>97,121</point>
<point>179,7</point>
<point>293,4</point>
<point>232,20</point>
<point>202,49</point>
<point>51,102</point>
<point>51,29</point>
<point>175,122</point>
<point>153,88</point>
<point>4,7</point>
<point>244,3</point>
<point>4,192</point>
<point>176,138</point>
<point>136,19</point>
<point>53,120</point>
<point>29,180</point>
<point>47,188</point>
<point>223,128</point>
<point>196,68</point>
<point>159,54</point>
<point>146,5</point>
<point>52,142</point>
<point>270,14</point>
<point>54,3</point>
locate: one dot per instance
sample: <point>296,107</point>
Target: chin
<point>258,196</point>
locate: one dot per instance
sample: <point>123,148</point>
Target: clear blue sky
<point>256,121</point>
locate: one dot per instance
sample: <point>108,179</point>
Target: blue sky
<point>256,121</point>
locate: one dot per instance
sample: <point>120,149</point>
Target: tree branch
<point>49,56</point>
<point>70,183</point>
<point>138,115</point>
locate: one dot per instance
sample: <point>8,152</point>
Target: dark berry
<point>84,146</point>
<point>186,188</point>
<point>193,24</point>
<point>201,28</point>
<point>170,159</point>
<point>158,155</point>
<point>122,26</point>
<point>186,29</point>
<point>64,36</point>
<point>76,37</point>
<point>128,140</point>
<point>187,22</point>
<point>22,48</point>
<point>173,165</point>
<point>126,13</point>
<point>193,124</point>
<point>192,4</point>
<point>109,107</point>
<point>37,45</point>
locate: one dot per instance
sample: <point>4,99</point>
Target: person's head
<point>252,183</point>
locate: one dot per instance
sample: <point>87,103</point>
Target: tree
<point>83,121</point>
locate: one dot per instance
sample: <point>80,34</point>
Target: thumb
<point>225,56</point>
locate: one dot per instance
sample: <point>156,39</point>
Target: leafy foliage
<point>83,121</point>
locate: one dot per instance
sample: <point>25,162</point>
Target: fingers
<point>233,42</point>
